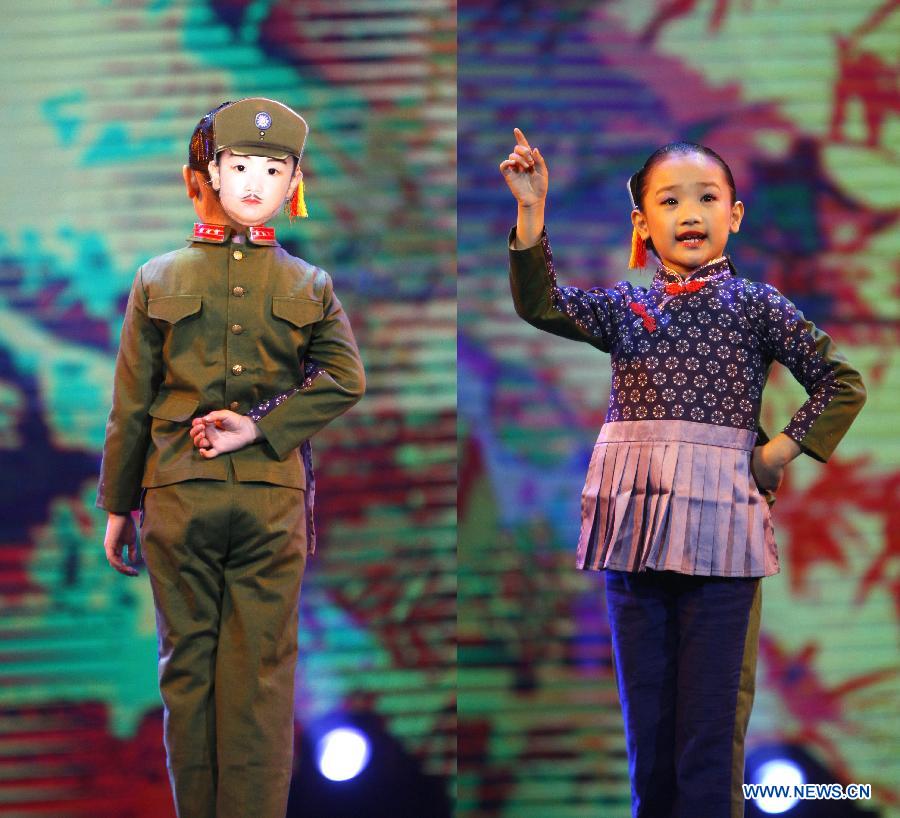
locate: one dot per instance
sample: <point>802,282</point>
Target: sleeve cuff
<point>118,504</point>
<point>512,238</point>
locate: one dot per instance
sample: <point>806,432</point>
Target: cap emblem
<point>263,121</point>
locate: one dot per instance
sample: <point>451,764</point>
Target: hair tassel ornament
<point>296,208</point>
<point>638,251</point>
<point>638,245</point>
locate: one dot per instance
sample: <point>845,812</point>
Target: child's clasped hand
<point>222,431</point>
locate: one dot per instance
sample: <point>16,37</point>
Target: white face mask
<point>252,189</point>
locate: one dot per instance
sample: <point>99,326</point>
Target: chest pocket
<point>173,308</point>
<point>297,311</point>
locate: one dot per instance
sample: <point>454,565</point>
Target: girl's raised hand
<point>525,171</point>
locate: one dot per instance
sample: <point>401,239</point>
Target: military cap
<point>259,127</point>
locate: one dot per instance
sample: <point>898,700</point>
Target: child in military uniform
<point>233,353</point>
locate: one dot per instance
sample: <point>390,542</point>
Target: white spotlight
<point>779,772</point>
<point>343,753</point>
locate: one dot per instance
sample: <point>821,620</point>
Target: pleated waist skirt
<point>674,495</point>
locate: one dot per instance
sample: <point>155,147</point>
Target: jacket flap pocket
<point>298,311</point>
<point>173,407</point>
<point>173,308</point>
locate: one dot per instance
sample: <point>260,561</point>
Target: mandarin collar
<point>664,275</point>
<point>221,234</point>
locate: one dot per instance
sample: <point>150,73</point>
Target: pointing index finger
<point>520,138</point>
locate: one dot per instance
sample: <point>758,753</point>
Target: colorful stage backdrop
<point>100,98</point>
<point>802,99</point>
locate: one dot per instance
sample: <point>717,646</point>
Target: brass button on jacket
<point>237,329</point>
<point>238,255</point>
<point>237,369</point>
<point>238,292</point>
<point>234,406</point>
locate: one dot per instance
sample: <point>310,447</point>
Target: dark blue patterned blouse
<point>701,352</point>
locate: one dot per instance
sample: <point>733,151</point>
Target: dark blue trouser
<point>685,655</point>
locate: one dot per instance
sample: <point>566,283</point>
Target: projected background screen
<point>100,101</point>
<point>802,100</point>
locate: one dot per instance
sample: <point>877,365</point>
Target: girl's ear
<point>639,220</point>
<point>295,180</point>
<point>213,168</point>
<point>737,214</point>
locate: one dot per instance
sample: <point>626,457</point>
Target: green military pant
<point>225,561</point>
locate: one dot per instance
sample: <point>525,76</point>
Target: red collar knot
<point>647,320</point>
<point>678,287</point>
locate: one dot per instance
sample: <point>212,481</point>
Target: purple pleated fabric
<point>674,495</point>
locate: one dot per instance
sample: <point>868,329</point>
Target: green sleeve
<point>590,316</point>
<point>826,431</point>
<point>138,374</point>
<point>338,386</point>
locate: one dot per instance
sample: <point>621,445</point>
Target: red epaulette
<point>261,235</point>
<point>208,232</point>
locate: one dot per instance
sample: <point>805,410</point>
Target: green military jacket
<point>224,324</point>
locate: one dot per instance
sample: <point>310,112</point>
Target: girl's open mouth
<point>691,240</point>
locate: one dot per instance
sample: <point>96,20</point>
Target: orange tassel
<point>297,206</point>
<point>638,251</point>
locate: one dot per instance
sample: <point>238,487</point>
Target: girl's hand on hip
<point>222,431</point>
<point>768,476</point>
<point>525,171</point>
<point>768,461</point>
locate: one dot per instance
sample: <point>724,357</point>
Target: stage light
<point>343,753</point>
<point>789,766</point>
<point>778,772</point>
<point>349,765</point>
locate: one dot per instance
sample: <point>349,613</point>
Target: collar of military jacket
<point>219,234</point>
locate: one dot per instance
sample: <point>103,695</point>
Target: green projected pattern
<point>802,100</point>
<point>101,98</point>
